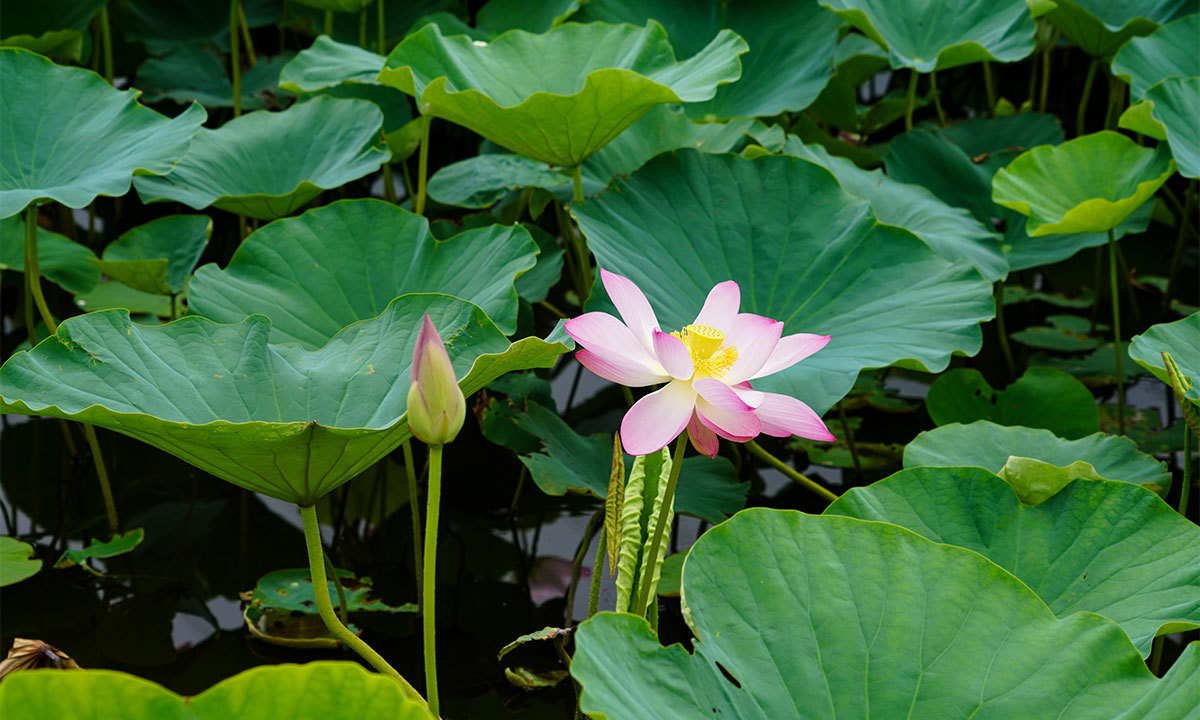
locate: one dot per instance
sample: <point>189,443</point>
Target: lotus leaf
<point>486,179</point>
<point>66,263</point>
<point>784,71</point>
<point>1095,546</point>
<point>1173,104</point>
<point>319,272</point>
<point>1169,51</point>
<point>268,164</point>
<point>802,250</point>
<point>331,691</point>
<point>542,97</point>
<point>849,618</point>
<point>157,257</point>
<point>70,136</point>
<point>1086,185</point>
<point>928,36</point>
<point>164,25</point>
<point>111,294</point>
<point>1180,338</point>
<point>1102,26</point>
<point>276,419</point>
<point>341,6</point>
<point>535,16</point>
<point>119,545</point>
<point>16,561</point>
<point>988,445</point>
<point>948,168</point>
<point>1041,398</point>
<point>191,73</point>
<point>1066,333</point>
<point>54,28</point>
<point>950,232</point>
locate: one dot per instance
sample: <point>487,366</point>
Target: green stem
<point>1045,89</point>
<point>1001,331</point>
<point>428,594</point>
<point>1081,113</point>
<point>850,440</point>
<point>1116,101</point>
<point>597,572</point>
<point>110,507</point>
<point>1156,654</point>
<point>106,38</point>
<point>577,179</point>
<point>235,61</point>
<point>1184,211</point>
<point>422,165</point>
<point>989,82</point>
<point>595,524</point>
<point>411,471</point>
<point>174,306</point>
<point>912,99</point>
<point>250,56</point>
<point>343,608</point>
<point>1116,309</point>
<point>660,526</point>
<point>316,567</point>
<point>329,23</point>
<point>937,97</point>
<point>1033,73</point>
<point>33,274</point>
<point>362,28</point>
<point>1187,471</point>
<point>1133,303</point>
<point>389,187</point>
<point>759,452</point>
<point>381,35</point>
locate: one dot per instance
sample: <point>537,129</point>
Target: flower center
<point>710,357</point>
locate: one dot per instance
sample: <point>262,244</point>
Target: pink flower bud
<point>436,406</point>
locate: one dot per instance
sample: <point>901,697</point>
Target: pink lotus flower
<point>707,367</point>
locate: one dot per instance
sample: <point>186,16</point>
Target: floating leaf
<point>1067,333</point>
<point>802,250</point>
<point>1041,398</point>
<point>333,691</point>
<point>1096,369</point>
<point>1168,51</point>
<point>1180,338</point>
<point>1101,26</point>
<point>864,619</point>
<point>251,165</point>
<point>16,561</point>
<point>319,272</point>
<point>1087,185</point>
<point>1096,546</point>
<point>277,419</point>
<point>70,136</point>
<point>119,545</point>
<point>60,260</point>
<point>936,37</point>
<point>989,446</point>
<point>157,257</point>
<point>542,96</point>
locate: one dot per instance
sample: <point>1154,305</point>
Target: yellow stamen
<point>710,357</point>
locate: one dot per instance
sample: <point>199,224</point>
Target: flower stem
<point>1116,309</point>
<point>595,524</point>
<point>1081,113</point>
<point>110,507</point>
<point>912,99</point>
<point>250,56</point>
<point>1187,471</point>
<point>759,452</point>
<point>597,572</point>
<point>316,567</point>
<point>235,63</point>
<point>411,471</point>
<point>422,166</point>
<point>660,526</point>
<point>33,274</point>
<point>428,589</point>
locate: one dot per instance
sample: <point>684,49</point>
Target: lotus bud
<point>436,406</point>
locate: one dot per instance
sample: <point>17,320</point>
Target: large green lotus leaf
<point>267,164</point>
<point>54,28</point>
<point>69,136</point>
<point>16,561</point>
<point>1041,398</point>
<point>1102,26</point>
<point>484,180</point>
<point>110,294</point>
<point>164,25</point>
<point>1087,185</point>
<point>834,617</point>
<point>560,96</point>
<point>802,250</point>
<point>192,73</point>
<point>1173,103</point>
<point>784,71</point>
<point>1169,51</point>
<point>319,272</point>
<point>943,162</point>
<point>1180,338</point>
<point>535,16</point>
<point>928,36</point>
<point>1095,546</point>
<point>952,232</point>
<point>988,445</point>
<point>276,419</point>
<point>157,257</point>
<point>314,691</point>
<point>62,261</point>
